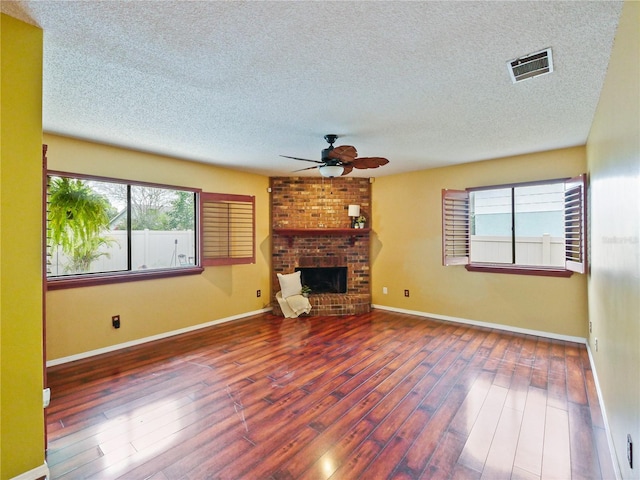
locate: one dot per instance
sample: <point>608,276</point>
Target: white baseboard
<point>38,472</point>
<point>614,460</point>
<point>119,346</point>
<point>497,326</point>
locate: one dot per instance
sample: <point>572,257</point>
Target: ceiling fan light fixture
<point>331,171</point>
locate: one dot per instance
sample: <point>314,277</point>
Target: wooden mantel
<point>291,233</point>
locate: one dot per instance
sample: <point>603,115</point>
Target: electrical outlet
<point>258,293</point>
<point>590,327</point>
<point>406,293</point>
<point>384,290</point>
<point>630,450</point>
<point>115,321</point>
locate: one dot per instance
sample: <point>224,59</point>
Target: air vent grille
<point>531,65</point>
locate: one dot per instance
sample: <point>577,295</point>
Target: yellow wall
<point>613,156</point>
<point>21,373</point>
<point>79,319</point>
<point>407,250</point>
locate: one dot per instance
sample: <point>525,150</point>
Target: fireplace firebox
<point>324,279</point>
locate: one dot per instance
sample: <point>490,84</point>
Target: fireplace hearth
<point>324,279</point>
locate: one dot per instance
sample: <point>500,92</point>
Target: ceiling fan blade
<point>344,153</point>
<point>369,162</point>
<point>303,169</point>
<point>303,159</point>
<point>347,170</point>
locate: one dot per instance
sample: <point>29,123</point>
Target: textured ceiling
<point>237,84</point>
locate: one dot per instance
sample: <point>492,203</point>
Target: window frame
<point>93,279</point>
<point>454,252</point>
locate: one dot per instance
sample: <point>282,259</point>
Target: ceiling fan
<point>341,160</point>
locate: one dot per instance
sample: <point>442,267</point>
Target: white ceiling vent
<point>531,65</point>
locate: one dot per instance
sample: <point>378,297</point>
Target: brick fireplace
<point>311,228</point>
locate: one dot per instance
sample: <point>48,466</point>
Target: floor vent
<point>531,65</point>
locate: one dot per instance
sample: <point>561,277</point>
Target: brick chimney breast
<point>315,203</point>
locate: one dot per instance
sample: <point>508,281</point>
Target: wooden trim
<point>518,270</point>
<point>228,197</point>
<point>516,185</point>
<point>320,231</point>
<point>216,262</point>
<point>291,233</point>
<point>94,279</point>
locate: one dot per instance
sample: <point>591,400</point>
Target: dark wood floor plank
<point>334,424</point>
<point>594,402</point>
<point>540,372</point>
<point>445,456</point>
<point>357,463</point>
<point>380,395</point>
<point>584,458</point>
<point>310,412</point>
<point>576,384</point>
<point>286,450</point>
<point>391,458</point>
<point>425,443</point>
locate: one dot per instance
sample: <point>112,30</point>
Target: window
<point>228,229</point>
<point>535,228</point>
<point>101,229</point>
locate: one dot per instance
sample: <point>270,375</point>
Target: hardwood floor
<point>381,395</point>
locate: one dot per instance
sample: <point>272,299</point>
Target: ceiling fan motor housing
<point>328,160</point>
<point>330,138</point>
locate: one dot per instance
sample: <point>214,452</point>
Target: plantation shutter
<point>455,227</point>
<point>228,229</point>
<point>575,221</point>
<point>48,242</point>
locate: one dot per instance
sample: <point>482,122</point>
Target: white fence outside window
<point>539,251</point>
<point>150,249</point>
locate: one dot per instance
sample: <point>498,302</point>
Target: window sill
<point>519,270</point>
<point>91,280</point>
